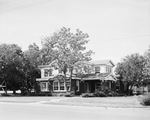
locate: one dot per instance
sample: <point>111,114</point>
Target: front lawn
<point>120,102</point>
<point>117,102</point>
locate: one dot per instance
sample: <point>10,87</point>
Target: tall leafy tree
<point>11,57</point>
<point>130,69</point>
<point>147,65</point>
<point>30,66</point>
<point>65,50</point>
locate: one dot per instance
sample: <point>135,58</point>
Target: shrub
<point>111,93</point>
<point>99,94</point>
<point>145,99</point>
<point>88,95</point>
<point>69,94</point>
<point>44,94</point>
<point>4,94</point>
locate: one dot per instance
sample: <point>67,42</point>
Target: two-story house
<point>52,80</point>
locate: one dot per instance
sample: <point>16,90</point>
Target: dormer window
<point>97,69</point>
<point>47,72</point>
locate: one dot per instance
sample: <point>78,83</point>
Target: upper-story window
<point>97,69</point>
<point>47,72</point>
<point>108,69</point>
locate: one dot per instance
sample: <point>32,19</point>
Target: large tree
<point>147,66</point>
<point>11,57</point>
<point>65,50</point>
<point>130,69</point>
<point>30,66</point>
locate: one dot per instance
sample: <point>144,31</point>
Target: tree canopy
<point>65,49</point>
<point>131,68</point>
<point>11,57</point>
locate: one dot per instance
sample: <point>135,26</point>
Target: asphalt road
<point>31,111</point>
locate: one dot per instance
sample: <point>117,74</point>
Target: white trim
<point>46,89</point>
<point>59,87</point>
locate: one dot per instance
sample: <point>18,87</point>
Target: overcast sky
<point>116,27</point>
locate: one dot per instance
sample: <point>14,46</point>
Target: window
<point>55,86</point>
<point>44,86</point>
<point>47,72</point>
<point>59,86</point>
<point>68,86</point>
<point>97,69</point>
<point>107,69</point>
<point>62,86</point>
<point>77,85</point>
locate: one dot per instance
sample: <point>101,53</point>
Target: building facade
<point>100,75</point>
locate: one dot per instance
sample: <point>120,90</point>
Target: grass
<point>123,102</point>
<point>117,102</point>
<point>24,99</point>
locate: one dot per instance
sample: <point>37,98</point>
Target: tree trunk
<point>65,82</point>
<point>14,91</point>
<point>72,89</point>
<point>5,90</point>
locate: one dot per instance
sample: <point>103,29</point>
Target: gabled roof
<point>102,62</point>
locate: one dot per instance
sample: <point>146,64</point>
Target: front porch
<point>98,82</point>
<point>92,86</point>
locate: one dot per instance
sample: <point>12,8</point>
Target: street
<point>33,111</point>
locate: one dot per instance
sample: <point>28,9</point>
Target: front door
<point>87,87</point>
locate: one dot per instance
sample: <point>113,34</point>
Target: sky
<point>116,28</point>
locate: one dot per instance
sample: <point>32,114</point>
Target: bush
<point>145,99</point>
<point>88,95</point>
<point>42,94</point>
<point>69,94</point>
<point>120,94</point>
<point>4,94</point>
<point>111,93</point>
<point>99,94</point>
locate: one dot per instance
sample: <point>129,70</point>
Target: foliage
<point>87,95</point>
<point>64,50</point>
<point>18,69</point>
<point>145,99</point>
<point>30,66</point>
<point>131,68</point>
<point>69,94</point>
<point>147,67</point>
<point>100,94</point>
<point>11,57</point>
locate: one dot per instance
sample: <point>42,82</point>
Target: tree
<point>65,50</point>
<point>11,57</point>
<point>147,66</point>
<point>130,69</point>
<point>30,66</point>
